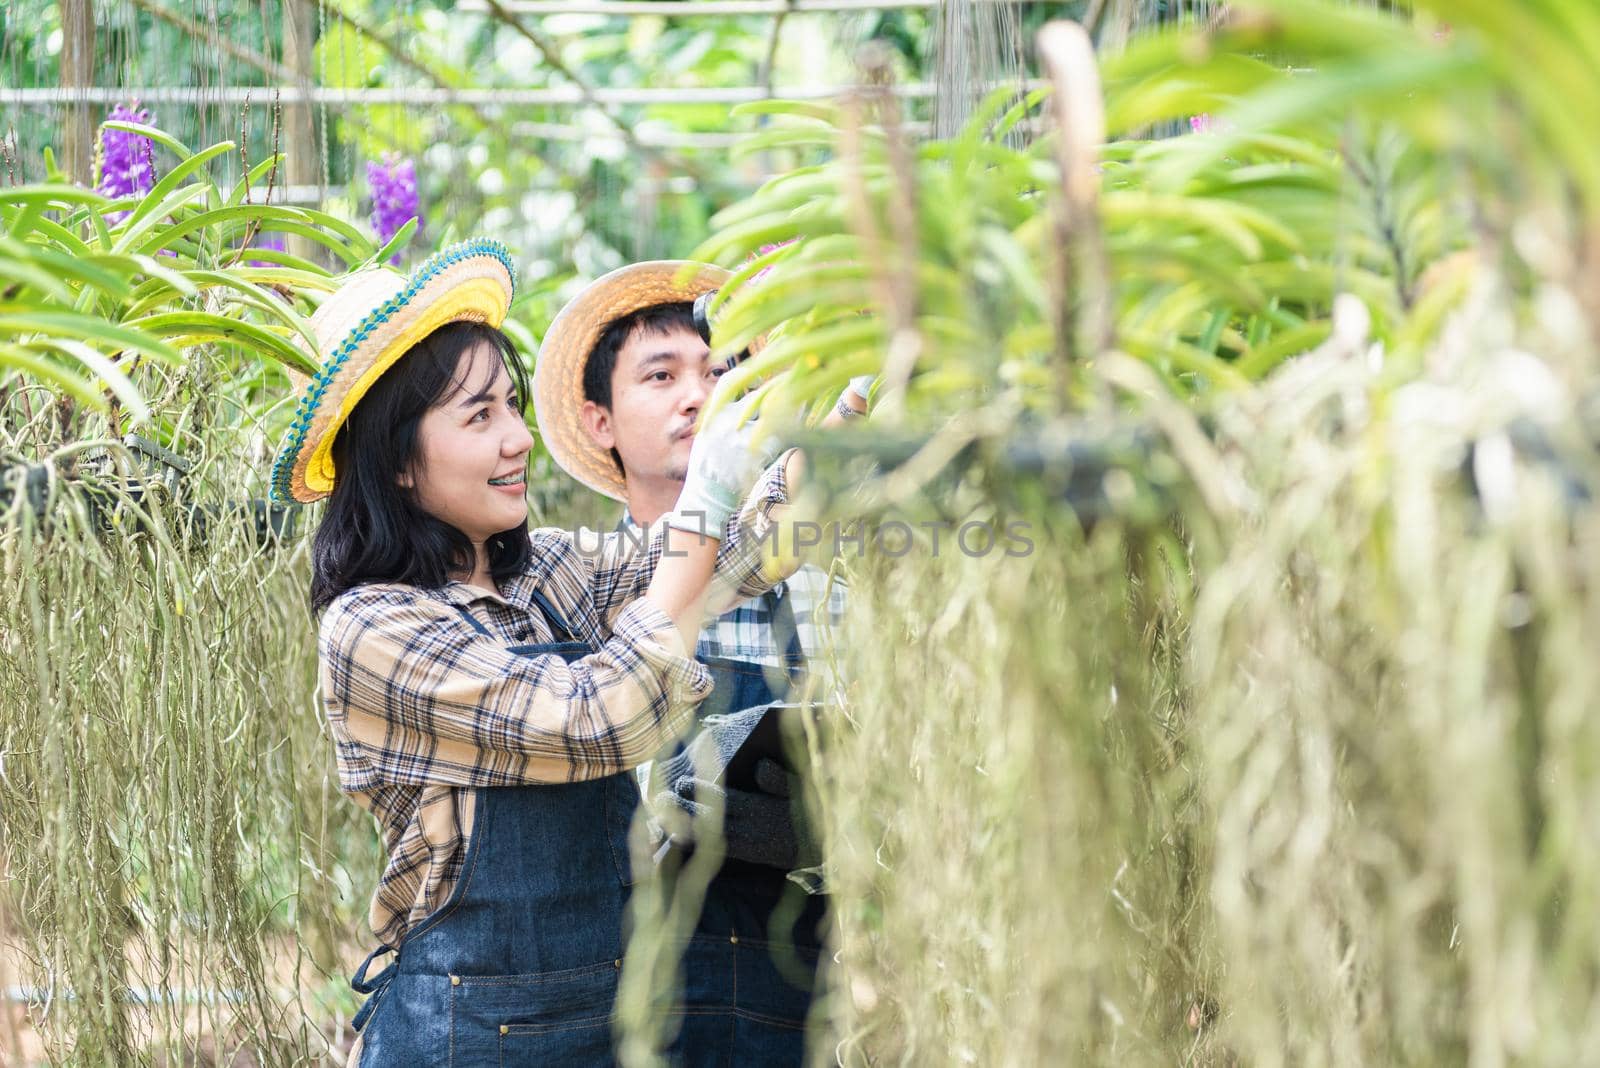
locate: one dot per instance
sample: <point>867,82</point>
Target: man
<point>622,376</point>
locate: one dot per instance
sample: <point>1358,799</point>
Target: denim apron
<point>519,966</point>
<point>749,967</point>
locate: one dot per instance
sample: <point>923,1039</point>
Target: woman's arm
<point>425,698</point>
<point>679,584</point>
<point>717,522</point>
<point>623,566</point>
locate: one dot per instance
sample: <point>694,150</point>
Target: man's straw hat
<point>558,378</point>
<point>366,325</point>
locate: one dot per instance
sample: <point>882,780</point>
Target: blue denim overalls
<point>747,987</point>
<point>519,967</point>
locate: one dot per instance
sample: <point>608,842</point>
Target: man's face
<point>658,386</point>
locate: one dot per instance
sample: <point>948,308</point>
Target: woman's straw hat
<point>558,378</point>
<point>367,324</point>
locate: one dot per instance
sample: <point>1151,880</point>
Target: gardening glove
<point>702,757</point>
<point>775,780</point>
<point>724,463</point>
<point>708,752</point>
<point>756,827</point>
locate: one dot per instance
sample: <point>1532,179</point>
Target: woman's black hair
<point>374,530</point>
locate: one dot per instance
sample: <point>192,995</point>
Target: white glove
<point>723,464</point>
<point>861,386</point>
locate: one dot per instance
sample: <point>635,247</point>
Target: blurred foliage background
<point>562,185</point>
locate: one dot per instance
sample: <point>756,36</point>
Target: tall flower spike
<point>394,197</point>
<point>127,160</point>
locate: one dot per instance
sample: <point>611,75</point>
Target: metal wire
<point>680,8</point>
<point>553,97</point>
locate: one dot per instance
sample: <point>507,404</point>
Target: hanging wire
<point>700,8</point>
<point>397,115</point>
<point>351,161</point>
<point>977,46</point>
<point>202,67</point>
<point>322,107</point>
<point>429,97</point>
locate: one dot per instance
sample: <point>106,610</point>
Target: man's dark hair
<point>653,320</point>
<point>374,530</point>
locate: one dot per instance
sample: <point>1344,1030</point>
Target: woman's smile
<point>512,483</point>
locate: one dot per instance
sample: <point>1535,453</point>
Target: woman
<point>489,688</point>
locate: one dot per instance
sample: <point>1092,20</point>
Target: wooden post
<point>77,72</point>
<point>298,136</point>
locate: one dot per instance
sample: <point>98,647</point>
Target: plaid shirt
<point>745,632</point>
<point>424,709</point>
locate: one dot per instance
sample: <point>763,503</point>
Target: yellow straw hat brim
<point>363,328</point>
<point>558,378</point>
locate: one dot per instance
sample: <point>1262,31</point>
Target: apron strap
<point>785,628</point>
<point>558,624</point>
<point>373,987</point>
<point>472,621</point>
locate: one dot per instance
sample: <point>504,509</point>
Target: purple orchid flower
<point>394,197</point>
<point>127,160</point>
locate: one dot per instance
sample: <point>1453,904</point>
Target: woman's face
<point>472,459</point>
